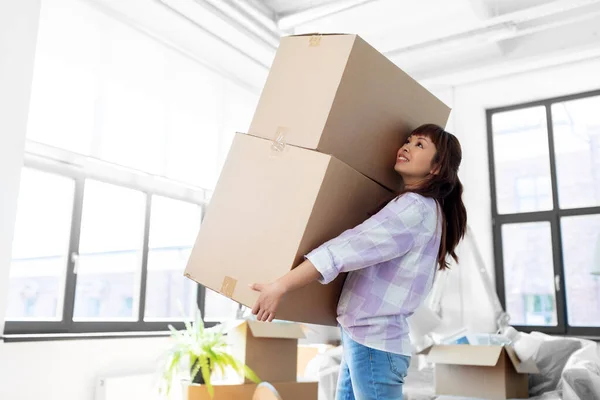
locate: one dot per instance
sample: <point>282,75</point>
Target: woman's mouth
<point>402,159</point>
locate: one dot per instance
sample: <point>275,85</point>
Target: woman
<point>391,260</point>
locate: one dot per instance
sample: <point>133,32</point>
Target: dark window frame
<point>552,216</point>
<point>23,330</point>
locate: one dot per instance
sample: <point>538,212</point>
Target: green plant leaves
<point>205,349</point>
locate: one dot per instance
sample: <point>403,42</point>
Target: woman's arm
<point>271,294</point>
<point>388,234</point>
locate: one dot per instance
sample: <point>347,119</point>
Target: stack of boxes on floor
<point>271,351</point>
<point>318,159</point>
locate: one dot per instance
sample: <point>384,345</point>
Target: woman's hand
<point>268,301</point>
<point>271,294</point>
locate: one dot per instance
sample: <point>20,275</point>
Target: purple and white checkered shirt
<point>391,260</point>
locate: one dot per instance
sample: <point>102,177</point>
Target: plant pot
<point>199,379</point>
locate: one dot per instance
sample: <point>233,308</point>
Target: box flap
<point>527,367</point>
<point>276,330</point>
<point>486,356</point>
<point>425,351</point>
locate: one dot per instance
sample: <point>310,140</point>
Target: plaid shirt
<point>391,261</point>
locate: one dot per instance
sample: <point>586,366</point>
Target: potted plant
<point>201,350</point>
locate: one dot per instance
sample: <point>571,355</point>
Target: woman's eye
<point>420,145</point>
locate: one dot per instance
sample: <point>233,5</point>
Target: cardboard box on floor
<point>272,205</point>
<point>490,372</point>
<point>269,349</point>
<point>287,391</point>
<point>338,95</point>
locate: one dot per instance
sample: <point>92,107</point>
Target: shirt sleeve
<point>387,235</point>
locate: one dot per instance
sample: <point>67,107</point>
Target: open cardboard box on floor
<point>287,391</point>
<point>270,349</point>
<point>271,207</point>
<point>490,372</point>
<point>338,95</point>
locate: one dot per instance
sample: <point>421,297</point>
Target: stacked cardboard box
<point>287,391</point>
<point>271,351</point>
<point>318,159</point>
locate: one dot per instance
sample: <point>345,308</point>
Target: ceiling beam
<point>250,16</point>
<point>239,21</point>
<point>288,22</point>
<point>166,4</point>
<point>496,69</point>
<point>511,25</point>
<point>257,12</point>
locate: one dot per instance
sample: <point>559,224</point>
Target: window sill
<point>46,337</point>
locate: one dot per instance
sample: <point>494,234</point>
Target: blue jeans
<point>370,374</point>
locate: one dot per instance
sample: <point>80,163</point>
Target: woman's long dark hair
<point>445,187</point>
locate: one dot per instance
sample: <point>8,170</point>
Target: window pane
<point>110,252</point>
<point>173,229</point>
<point>40,246</point>
<point>577,145</point>
<point>218,307</point>
<point>521,161</point>
<point>581,255</point>
<point>529,273</point>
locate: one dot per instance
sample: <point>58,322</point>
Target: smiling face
<point>414,161</point>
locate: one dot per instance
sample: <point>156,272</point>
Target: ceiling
<point>439,42</point>
<point>286,7</point>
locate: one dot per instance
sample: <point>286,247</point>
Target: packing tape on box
<point>228,286</point>
<point>279,142</point>
<point>314,41</point>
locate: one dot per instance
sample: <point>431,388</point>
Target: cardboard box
<point>269,349</point>
<point>287,391</point>
<point>490,372</point>
<point>271,206</point>
<point>340,96</point>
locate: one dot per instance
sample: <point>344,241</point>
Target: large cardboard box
<point>490,372</point>
<point>272,205</point>
<point>340,96</point>
<point>269,349</point>
<point>287,391</point>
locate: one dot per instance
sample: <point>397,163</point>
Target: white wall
<point>468,122</point>
<point>18,31</point>
<point>68,370</point>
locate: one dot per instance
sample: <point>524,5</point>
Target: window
<point>109,256</point>
<point>173,228</point>
<point>92,256</point>
<point>40,246</point>
<point>545,181</point>
<point>126,138</point>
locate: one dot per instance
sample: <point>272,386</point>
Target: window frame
<point>78,167</point>
<point>552,216</point>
